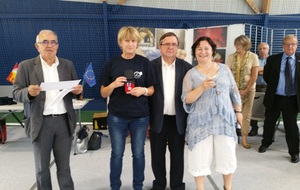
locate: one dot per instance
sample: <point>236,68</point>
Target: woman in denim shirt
<point>212,100</point>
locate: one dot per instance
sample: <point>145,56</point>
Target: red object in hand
<point>129,86</point>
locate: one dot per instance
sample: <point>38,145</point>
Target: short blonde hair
<point>290,36</point>
<point>128,32</point>
<point>244,41</point>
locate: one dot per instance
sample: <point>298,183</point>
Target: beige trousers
<point>247,111</point>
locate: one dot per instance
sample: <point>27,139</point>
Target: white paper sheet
<point>59,85</point>
<point>64,86</point>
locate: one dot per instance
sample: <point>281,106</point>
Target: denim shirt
<point>213,112</point>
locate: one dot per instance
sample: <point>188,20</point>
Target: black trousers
<point>288,108</point>
<point>159,141</point>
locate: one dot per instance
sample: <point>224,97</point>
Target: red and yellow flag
<point>12,75</point>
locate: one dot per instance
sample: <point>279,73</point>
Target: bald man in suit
<point>50,128</point>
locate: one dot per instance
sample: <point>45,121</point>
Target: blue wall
<point>88,32</point>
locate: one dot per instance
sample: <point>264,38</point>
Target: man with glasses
<point>50,128</point>
<point>283,96</point>
<point>167,116</point>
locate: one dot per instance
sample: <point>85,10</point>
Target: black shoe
<point>253,131</point>
<point>295,158</point>
<point>263,149</point>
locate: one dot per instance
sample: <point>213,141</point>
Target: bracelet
<point>146,91</point>
<point>237,111</point>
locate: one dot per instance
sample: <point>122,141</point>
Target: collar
<point>55,64</point>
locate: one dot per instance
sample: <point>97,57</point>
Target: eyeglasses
<point>170,44</point>
<point>292,44</point>
<point>46,43</point>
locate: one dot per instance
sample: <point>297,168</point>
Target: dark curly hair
<point>204,38</point>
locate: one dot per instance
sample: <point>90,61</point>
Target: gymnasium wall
<point>87,32</point>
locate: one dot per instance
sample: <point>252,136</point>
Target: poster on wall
<point>148,37</point>
<point>219,36</point>
<point>223,36</point>
<point>149,46</point>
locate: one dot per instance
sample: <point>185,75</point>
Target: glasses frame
<point>170,45</point>
<point>46,43</point>
<point>292,44</point>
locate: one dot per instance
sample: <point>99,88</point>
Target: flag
<point>12,75</point>
<point>89,76</point>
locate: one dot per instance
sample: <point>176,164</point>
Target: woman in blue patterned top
<point>212,100</point>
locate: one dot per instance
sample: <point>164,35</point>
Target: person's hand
<point>239,118</point>
<point>120,81</point>
<point>34,90</point>
<point>209,83</point>
<point>243,92</point>
<point>137,91</point>
<point>77,89</point>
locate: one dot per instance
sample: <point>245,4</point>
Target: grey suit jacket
<point>157,99</point>
<point>30,72</point>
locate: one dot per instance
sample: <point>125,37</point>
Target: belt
<point>54,115</point>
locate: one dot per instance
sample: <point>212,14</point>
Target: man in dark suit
<point>281,74</point>
<point>167,116</point>
<point>49,127</point>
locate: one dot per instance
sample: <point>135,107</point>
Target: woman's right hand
<point>120,81</point>
<point>209,83</point>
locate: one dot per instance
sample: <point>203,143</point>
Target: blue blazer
<point>30,72</point>
<point>157,99</point>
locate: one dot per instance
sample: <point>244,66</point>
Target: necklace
<point>215,73</point>
<point>238,70</point>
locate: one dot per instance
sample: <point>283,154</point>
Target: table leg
<point>78,113</point>
<point>2,134</point>
<point>16,118</point>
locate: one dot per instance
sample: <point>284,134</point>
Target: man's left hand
<point>77,89</point>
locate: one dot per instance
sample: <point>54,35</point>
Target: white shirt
<point>168,75</point>
<point>51,75</point>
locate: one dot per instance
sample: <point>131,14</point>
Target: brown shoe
<point>246,145</point>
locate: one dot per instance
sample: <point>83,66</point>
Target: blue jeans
<point>118,130</point>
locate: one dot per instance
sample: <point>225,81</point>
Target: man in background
<point>167,116</point>
<point>261,85</point>
<point>281,74</point>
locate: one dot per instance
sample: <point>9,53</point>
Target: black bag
<point>7,101</point>
<point>82,133</point>
<point>81,140</point>
<point>95,140</point>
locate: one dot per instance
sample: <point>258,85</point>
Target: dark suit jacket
<point>271,76</point>
<point>30,72</point>
<point>157,99</point>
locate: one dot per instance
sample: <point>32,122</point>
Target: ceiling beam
<point>122,2</point>
<point>266,4</point>
<point>252,6</point>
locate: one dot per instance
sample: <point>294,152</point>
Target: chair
<point>258,109</point>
